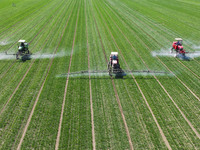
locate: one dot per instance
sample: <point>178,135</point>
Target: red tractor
<point>178,47</point>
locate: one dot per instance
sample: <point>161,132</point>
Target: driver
<point>177,44</point>
<point>22,44</point>
<point>114,57</point>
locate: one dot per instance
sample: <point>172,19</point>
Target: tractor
<point>178,47</point>
<point>113,69</point>
<point>23,50</point>
<point>114,66</point>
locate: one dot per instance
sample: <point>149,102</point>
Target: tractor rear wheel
<point>171,51</point>
<point>17,55</point>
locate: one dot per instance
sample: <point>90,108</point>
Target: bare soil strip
<point>16,88</point>
<point>7,69</point>
<point>17,85</point>
<point>165,64</point>
<point>24,74</point>
<point>188,69</point>
<point>41,30</point>
<point>189,123</point>
<point>66,85</point>
<point>25,33</point>
<point>116,94</point>
<point>29,44</point>
<point>31,29</point>
<point>19,27</point>
<point>162,61</point>
<point>157,33</point>
<point>31,114</point>
<point>91,104</point>
<point>22,20</point>
<point>161,132</point>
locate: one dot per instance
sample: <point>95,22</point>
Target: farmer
<point>114,57</point>
<point>177,44</point>
<point>22,44</point>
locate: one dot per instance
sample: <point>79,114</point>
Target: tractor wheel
<point>171,51</point>
<point>108,65</point>
<point>17,55</point>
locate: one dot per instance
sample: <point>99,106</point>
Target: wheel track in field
<point>66,85</point>
<point>90,84</point>
<point>25,33</point>
<point>53,29</point>
<point>188,69</point>
<point>150,21</point>
<point>140,118</point>
<point>20,21</point>
<point>40,60</point>
<point>23,77</point>
<point>42,19</point>
<point>160,129</point>
<point>7,69</point>
<point>115,90</point>
<point>16,42</point>
<point>183,115</point>
<point>161,44</point>
<point>17,85</point>
<point>25,73</point>
<point>49,67</point>
<point>165,64</point>
<point>29,44</point>
<point>14,60</point>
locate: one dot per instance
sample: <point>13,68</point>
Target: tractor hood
<point>114,62</point>
<point>180,47</point>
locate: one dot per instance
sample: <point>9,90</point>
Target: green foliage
<point>134,29</point>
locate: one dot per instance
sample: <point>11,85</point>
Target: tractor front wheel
<point>17,55</point>
<point>171,51</point>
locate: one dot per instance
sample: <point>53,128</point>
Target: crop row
<point>41,110</point>
<point>110,23</point>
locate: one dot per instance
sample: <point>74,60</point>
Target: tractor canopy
<point>179,40</point>
<point>114,55</point>
<point>22,41</point>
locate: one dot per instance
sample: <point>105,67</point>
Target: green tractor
<point>23,51</point>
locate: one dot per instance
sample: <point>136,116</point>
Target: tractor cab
<point>22,46</point>
<point>23,51</point>
<point>177,45</point>
<point>114,58</point>
<point>114,66</point>
<point>178,41</point>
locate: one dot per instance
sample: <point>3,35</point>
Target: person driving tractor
<point>177,44</point>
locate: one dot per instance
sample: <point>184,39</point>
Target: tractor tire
<point>17,55</point>
<point>171,51</point>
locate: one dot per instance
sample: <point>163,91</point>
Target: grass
<point>134,29</point>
